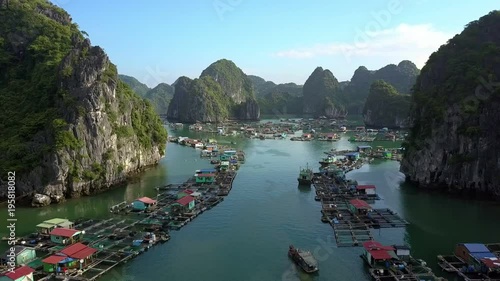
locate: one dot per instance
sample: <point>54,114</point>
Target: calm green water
<point>246,237</point>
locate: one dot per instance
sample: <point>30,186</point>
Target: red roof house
<point>146,200</point>
<point>23,271</point>
<point>64,232</point>
<point>54,259</point>
<point>78,251</point>
<point>184,201</point>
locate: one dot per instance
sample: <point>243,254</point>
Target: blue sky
<point>279,40</point>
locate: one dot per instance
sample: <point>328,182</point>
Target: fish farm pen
<point>87,249</point>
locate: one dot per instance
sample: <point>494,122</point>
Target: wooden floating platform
<point>122,237</point>
<point>454,264</point>
<point>351,229</point>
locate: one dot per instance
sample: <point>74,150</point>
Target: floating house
<point>188,202</point>
<point>58,263</point>
<point>80,252</point>
<point>359,207</point>
<point>205,178</point>
<point>364,148</point>
<point>143,203</point>
<point>230,152</point>
<point>22,255</point>
<point>47,226</point>
<point>224,165</point>
<point>307,136</point>
<point>224,157</point>
<point>23,273</point>
<point>353,156</point>
<point>375,254</point>
<point>66,236</point>
<point>473,253</point>
<point>369,190</point>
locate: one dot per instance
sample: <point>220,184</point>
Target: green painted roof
<point>56,221</point>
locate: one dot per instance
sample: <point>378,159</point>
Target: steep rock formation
<point>160,97</point>
<point>321,94</point>
<point>82,130</point>
<point>222,92</point>
<point>401,76</point>
<point>453,143</point>
<point>138,87</point>
<point>277,99</point>
<point>262,87</point>
<point>385,107</point>
<point>199,100</point>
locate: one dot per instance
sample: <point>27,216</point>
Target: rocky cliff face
<point>385,107</point>
<point>321,94</point>
<point>402,77</point>
<point>453,143</point>
<point>222,92</point>
<point>92,130</point>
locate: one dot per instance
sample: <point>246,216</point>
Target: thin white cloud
<point>413,42</point>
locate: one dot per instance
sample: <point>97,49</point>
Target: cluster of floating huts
<point>87,249</point>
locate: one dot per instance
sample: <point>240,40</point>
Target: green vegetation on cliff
<point>138,87</point>
<point>28,75</point>
<point>279,103</point>
<point>35,38</point>
<point>385,107</point>
<point>402,77</point>
<point>160,97</point>
<point>322,94</point>
<point>453,142</point>
<point>464,72</point>
<point>223,91</point>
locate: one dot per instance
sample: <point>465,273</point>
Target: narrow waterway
<point>246,237</point>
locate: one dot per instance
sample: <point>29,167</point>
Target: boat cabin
<point>377,255</point>
<point>230,152</point>
<point>360,129</point>
<point>307,136</point>
<point>353,156</point>
<point>359,207</point>
<point>205,178</point>
<point>187,202</point>
<point>369,190</point>
<point>47,226</point>
<point>143,204</point>
<point>22,255</point>
<point>66,236</point>
<point>364,148</point>
<point>80,252</point>
<point>23,273</point>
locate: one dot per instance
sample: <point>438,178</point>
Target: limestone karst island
<point>249,140</point>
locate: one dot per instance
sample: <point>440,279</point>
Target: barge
<point>304,259</point>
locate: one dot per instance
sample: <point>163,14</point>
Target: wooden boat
<point>304,259</point>
<point>305,177</point>
<point>327,160</point>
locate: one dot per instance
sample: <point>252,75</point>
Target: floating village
<point>87,249</point>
